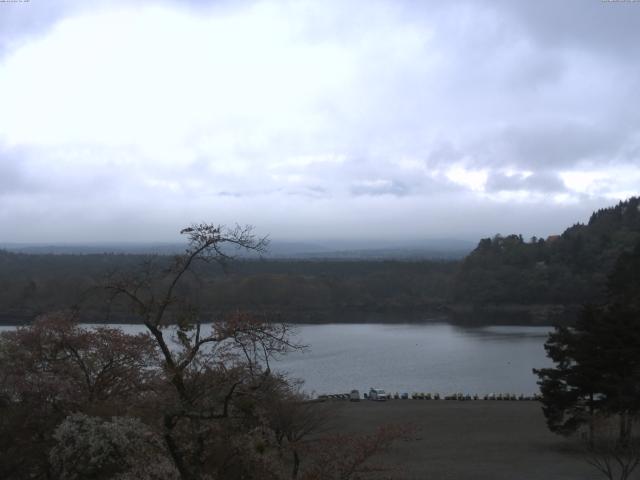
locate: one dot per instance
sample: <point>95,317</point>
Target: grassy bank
<point>486,440</point>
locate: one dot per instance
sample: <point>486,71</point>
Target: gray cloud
<point>380,187</point>
<point>490,86</point>
<point>11,179</point>
<point>13,175</point>
<point>19,21</point>
<point>536,182</point>
<point>443,153</point>
<point>611,27</point>
<point>554,145</point>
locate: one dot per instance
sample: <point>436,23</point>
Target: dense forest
<point>295,290</point>
<point>570,268</point>
<point>504,275</point>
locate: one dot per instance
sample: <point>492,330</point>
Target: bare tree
<point>197,399</point>
<point>614,457</point>
<point>348,456</point>
<point>294,417</point>
<point>217,371</point>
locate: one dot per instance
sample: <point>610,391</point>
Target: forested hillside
<point>571,268</point>
<point>296,290</point>
<point>503,275</point>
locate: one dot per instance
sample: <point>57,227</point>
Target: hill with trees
<point>566,269</point>
<point>505,279</point>
<point>593,390</point>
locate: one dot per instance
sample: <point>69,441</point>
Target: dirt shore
<point>480,440</point>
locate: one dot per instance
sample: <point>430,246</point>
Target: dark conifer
<point>597,361</point>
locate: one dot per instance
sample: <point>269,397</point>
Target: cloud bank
<point>314,119</point>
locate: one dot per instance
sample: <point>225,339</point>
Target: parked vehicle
<point>354,396</point>
<point>378,394</point>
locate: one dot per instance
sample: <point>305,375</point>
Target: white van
<point>378,394</point>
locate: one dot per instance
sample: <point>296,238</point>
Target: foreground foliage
<point>598,359</point>
<point>595,383</point>
<point>183,400</point>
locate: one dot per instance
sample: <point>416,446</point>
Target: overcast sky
<point>127,120</point>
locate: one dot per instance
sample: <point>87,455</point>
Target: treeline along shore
<point>505,279</point>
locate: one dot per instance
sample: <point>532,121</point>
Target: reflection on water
<point>428,357</point>
<point>507,332</point>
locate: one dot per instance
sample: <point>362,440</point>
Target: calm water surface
<point>418,357</point>
<point>427,357</point>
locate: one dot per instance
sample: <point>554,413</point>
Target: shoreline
<point>543,315</point>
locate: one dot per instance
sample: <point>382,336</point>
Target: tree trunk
<point>591,422</point>
<point>296,464</point>
<point>625,429</point>
<point>176,456</point>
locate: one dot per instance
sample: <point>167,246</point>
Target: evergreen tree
<point>597,361</point>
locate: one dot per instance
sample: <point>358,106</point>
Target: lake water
<point>424,357</point>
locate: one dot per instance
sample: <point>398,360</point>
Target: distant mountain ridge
<point>278,249</point>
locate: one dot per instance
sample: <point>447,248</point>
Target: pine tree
<point>597,361</point>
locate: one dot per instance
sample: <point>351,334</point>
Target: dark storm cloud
<point>536,182</point>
